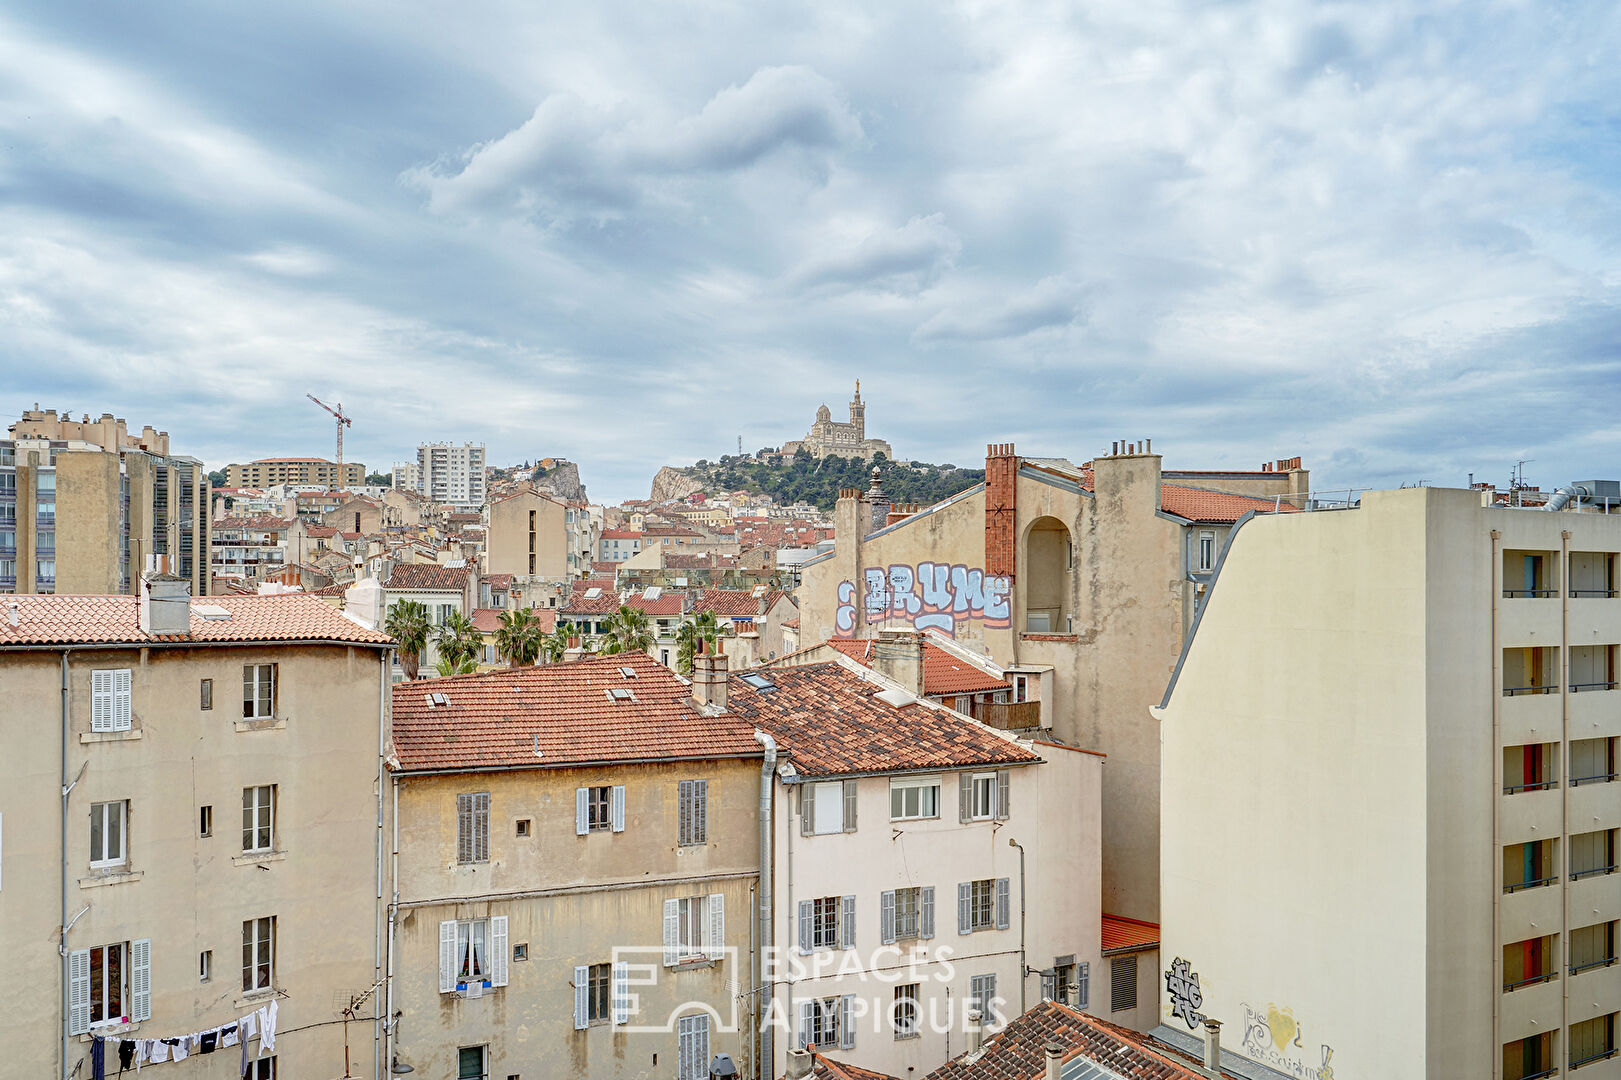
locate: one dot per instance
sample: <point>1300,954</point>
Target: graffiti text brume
<point>929,594</point>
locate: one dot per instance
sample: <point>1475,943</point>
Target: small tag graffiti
<point>1273,1037</point>
<point>1182,986</point>
<point>927,595</point>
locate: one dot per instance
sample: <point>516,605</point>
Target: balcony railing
<point>1515,691</point>
<point>1590,1058</point>
<point>1577,875</point>
<point>1547,976</point>
<point>1578,594</point>
<point>1517,886</point>
<point>1601,778</point>
<point>1535,785</point>
<point>1577,969</point>
<point>1539,1075</point>
<point>1512,593</point>
<point>1582,687</point>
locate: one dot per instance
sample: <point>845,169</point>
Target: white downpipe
<point>764,1001</point>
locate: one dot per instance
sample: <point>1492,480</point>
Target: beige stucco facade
<point>528,537</point>
<point>571,901</point>
<point>1342,828</point>
<point>184,892</point>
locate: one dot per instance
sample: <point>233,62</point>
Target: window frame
<point>981,893</point>
<point>692,813</point>
<point>105,813</point>
<point>898,793</point>
<point>982,996</point>
<point>261,680</point>
<point>986,783</point>
<point>473,950</point>
<point>259,939</point>
<point>472,828</point>
<point>599,994</point>
<point>258,817</point>
<point>1207,550</point>
<point>100,999</point>
<point>825,922</point>
<point>825,1016</point>
<point>599,808</point>
<point>909,906</point>
<point>908,999</point>
<point>483,1052</point>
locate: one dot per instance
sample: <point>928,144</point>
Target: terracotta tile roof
<point>320,532</point>
<point>265,523</point>
<point>1019,1051</point>
<point>1120,932</point>
<point>487,620</point>
<point>464,518</point>
<point>942,672</point>
<point>606,603</point>
<point>498,581</point>
<point>666,605</point>
<point>620,534</point>
<point>792,623</point>
<point>52,620</point>
<point>609,568</point>
<point>1211,507</point>
<point>669,530</point>
<point>825,1068</point>
<point>493,719</point>
<point>827,717</point>
<point>735,603</point>
<point>427,576</point>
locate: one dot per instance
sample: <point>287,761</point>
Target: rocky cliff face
<point>563,480</point>
<point>672,483</point>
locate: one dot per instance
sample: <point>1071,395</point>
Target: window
<point>826,1022</point>
<point>983,796</point>
<point>1592,853</point>
<point>473,828</point>
<point>107,821</point>
<point>982,996</point>
<point>692,1047</point>
<point>470,1063</point>
<point>1071,982</point>
<point>523,827</point>
<point>827,808</point>
<point>1592,946</point>
<point>109,984</point>
<point>258,953</point>
<point>1531,961</point>
<point>520,951</point>
<point>693,814</point>
<point>1533,767</point>
<point>694,928</point>
<point>903,1014</point>
<point>258,691</point>
<point>208,694</point>
<point>906,914</point>
<point>1529,865</point>
<point>110,697</point>
<point>982,905</point>
<point>472,954</point>
<point>205,965</point>
<point>599,809</point>
<point>1123,983</point>
<point>828,922</point>
<point>910,799</point>
<point>1529,1057</point>
<point>258,818</point>
<point>205,821</point>
<point>1592,761</point>
<point>598,978</point>
<point>1207,551</point>
<point>1592,1040</point>
<point>1021,687</point>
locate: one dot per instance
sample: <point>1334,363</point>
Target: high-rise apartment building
<point>452,475</point>
<point>267,472</point>
<point>1389,800</point>
<point>407,477</point>
<point>83,503</point>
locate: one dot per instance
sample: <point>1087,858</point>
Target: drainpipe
<point>768,773</point>
<point>1497,806</point>
<point>62,942</point>
<point>393,911</point>
<point>377,949</point>
<point>1564,799</point>
<point>1024,970</point>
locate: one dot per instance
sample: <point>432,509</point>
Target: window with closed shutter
<point>110,699</point>
<point>473,827</point>
<point>692,1047</point>
<point>1123,983</point>
<point>982,996</point>
<point>693,813</point>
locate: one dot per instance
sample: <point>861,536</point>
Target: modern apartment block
<point>1390,807</point>
<point>452,475</point>
<point>83,503</point>
<point>407,476</point>
<point>267,472</point>
<point>189,790</point>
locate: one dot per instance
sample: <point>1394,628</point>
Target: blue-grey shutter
<point>1049,985</point>
<point>1003,903</point>
<point>700,811</point>
<point>582,998</point>
<point>849,806</point>
<point>807,809</point>
<point>683,816</point>
<point>1004,783</point>
<point>804,926</point>
<point>617,808</point>
<point>1083,985</point>
<point>886,917</point>
<point>78,991</point>
<point>805,1008</point>
<point>925,912</point>
<point>964,900</point>
<point>847,1022</point>
<point>582,820</point>
<point>965,797</point>
<point>847,922</point>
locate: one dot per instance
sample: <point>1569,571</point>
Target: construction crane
<point>342,420</point>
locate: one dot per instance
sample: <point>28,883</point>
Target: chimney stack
<point>1212,1048</point>
<point>165,602</point>
<point>898,655</point>
<point>976,1031</point>
<point>799,1064</point>
<point>1055,1060</point>
<point>710,674</point>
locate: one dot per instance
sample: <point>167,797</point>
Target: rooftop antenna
<point>342,422</point>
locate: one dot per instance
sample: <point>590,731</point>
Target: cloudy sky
<point>1382,236</point>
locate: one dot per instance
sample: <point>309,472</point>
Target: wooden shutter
<point>1123,983</point>
<point>886,917</point>
<point>700,812</point>
<point>925,912</point>
<point>447,956</point>
<point>807,809</point>
<point>965,797</point>
<point>847,1022</point>
<point>672,932</point>
<point>123,699</point>
<point>78,991</point>
<point>1083,984</point>
<point>617,808</point>
<point>849,806</point>
<point>499,952</point>
<point>140,980</point>
<point>582,998</point>
<point>582,811</point>
<point>1004,783</point>
<point>847,922</point>
<point>964,902</point>
<point>804,926</point>
<point>716,942</point>
<point>620,990</point>
<point>1003,903</point>
<point>101,714</point>
<point>481,827</point>
<point>806,1009</point>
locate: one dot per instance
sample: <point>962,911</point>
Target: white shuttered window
<point>110,699</point>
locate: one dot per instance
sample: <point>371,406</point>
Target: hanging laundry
<point>98,1058</point>
<point>126,1054</point>
<point>228,1035</point>
<point>207,1041</point>
<point>267,1027</point>
<point>247,1026</point>
<point>179,1048</point>
<point>160,1051</point>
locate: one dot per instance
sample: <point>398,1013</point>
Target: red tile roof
<point>829,720</point>
<point>1120,932</point>
<point>320,532</point>
<point>487,620</point>
<point>620,534</point>
<point>942,672</point>
<point>494,719</point>
<point>668,604</point>
<point>53,620</point>
<point>499,581</point>
<point>825,1068</point>
<point>605,603</point>
<point>429,576</point>
<point>1019,1051</point>
<point>1212,507</point>
<point>735,603</point>
<point>266,523</point>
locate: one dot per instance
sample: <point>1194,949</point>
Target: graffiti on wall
<point>1182,987</point>
<point>945,596</point>
<point>1275,1038</point>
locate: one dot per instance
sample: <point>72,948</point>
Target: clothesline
<point>141,1052</point>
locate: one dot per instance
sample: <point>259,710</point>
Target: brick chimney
<point>898,655</point>
<point>710,674</point>
<point>1001,490</point>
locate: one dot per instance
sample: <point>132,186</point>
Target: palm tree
<point>407,623</point>
<point>466,666</point>
<point>705,627</point>
<point>459,640</point>
<point>554,644</point>
<point>518,640</point>
<point>627,630</point>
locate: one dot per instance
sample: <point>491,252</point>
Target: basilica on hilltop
<point>828,438</point>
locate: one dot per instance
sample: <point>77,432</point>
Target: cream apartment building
<point>1390,799</point>
<point>577,848</point>
<point>266,472</point>
<point>216,849</point>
